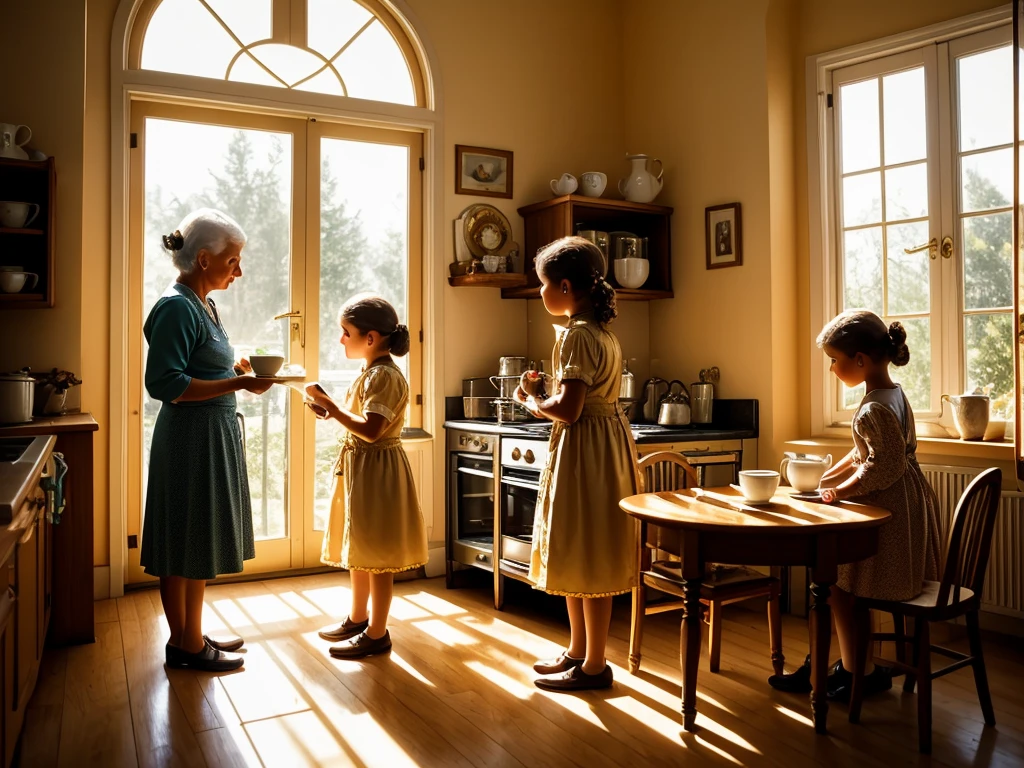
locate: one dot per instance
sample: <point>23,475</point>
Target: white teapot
<point>804,472</point>
<point>641,186</point>
<point>565,185</point>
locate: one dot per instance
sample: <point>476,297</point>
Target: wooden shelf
<point>503,280</point>
<point>549,220</point>
<point>20,231</point>
<point>22,300</point>
<point>30,248</point>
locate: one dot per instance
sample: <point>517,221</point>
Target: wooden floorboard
<point>457,690</point>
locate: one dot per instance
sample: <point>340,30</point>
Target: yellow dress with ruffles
<point>375,522</point>
<point>584,545</point>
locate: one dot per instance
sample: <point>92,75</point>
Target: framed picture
<point>486,172</point>
<point>723,236</point>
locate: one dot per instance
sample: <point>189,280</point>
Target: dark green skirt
<point>198,518</point>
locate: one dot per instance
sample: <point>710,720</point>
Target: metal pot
<point>511,366</point>
<point>17,395</point>
<point>506,385</point>
<point>479,387</point>
<point>478,407</point>
<point>674,411</point>
<point>510,410</point>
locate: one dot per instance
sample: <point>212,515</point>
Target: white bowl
<point>631,273</point>
<point>266,365</point>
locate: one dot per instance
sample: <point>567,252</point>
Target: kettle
<point>675,406</point>
<point>655,389</point>
<point>970,414</point>
<point>627,386</point>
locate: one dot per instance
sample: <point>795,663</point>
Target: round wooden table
<point>715,525</point>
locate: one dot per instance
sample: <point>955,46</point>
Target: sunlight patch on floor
<point>659,695</point>
<point>503,681</point>
<point>332,601</point>
<point>578,705</point>
<point>435,604</point>
<point>409,669</point>
<point>717,750</point>
<point>444,632</point>
<point>663,726</point>
<point>804,719</point>
<point>267,609</point>
<point>233,616</point>
<point>300,604</point>
<point>505,633</point>
<point>403,610</point>
<point>262,689</point>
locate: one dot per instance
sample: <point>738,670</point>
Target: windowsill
<point>946,447</point>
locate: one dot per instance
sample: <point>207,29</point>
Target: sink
<point>13,448</point>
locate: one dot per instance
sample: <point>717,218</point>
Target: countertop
<point>52,425</point>
<point>17,478</point>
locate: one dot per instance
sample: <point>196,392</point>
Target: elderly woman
<point>198,520</point>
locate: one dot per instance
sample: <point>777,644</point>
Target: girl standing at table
<point>584,546</point>
<point>881,470</point>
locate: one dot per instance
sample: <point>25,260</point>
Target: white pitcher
<point>12,138</point>
<point>970,414</point>
<point>565,185</point>
<point>641,186</point>
<point>805,473</point>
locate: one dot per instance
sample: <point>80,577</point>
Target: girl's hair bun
<point>899,351</point>
<point>174,241</point>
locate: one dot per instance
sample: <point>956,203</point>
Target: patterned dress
<point>584,545</point>
<point>375,523</point>
<point>884,452</point>
<point>198,518</point>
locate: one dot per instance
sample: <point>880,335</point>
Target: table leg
<point>689,650</point>
<point>820,626</point>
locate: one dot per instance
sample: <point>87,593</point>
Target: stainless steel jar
<point>17,396</point>
<point>511,366</point>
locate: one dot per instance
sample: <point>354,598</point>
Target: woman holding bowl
<point>198,521</point>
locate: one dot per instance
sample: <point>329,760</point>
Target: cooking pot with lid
<point>17,395</point>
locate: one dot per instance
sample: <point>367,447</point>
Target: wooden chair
<point>722,584</point>
<point>958,594</point>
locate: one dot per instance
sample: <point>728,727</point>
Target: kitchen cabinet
<point>549,220</point>
<point>29,248</point>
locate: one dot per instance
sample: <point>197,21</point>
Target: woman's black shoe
<point>880,679</point>
<point>209,659</point>
<point>800,681</point>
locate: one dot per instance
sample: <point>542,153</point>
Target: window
<point>917,206</point>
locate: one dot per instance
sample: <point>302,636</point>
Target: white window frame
<point>821,175</point>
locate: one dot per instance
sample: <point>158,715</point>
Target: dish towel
<point>54,487</point>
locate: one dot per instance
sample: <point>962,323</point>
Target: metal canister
<point>701,396</point>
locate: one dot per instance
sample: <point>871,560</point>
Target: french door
<point>922,191</point>
<point>329,210</point>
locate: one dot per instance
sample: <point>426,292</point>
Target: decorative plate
<point>487,231</point>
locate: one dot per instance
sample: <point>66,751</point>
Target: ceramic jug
<point>12,138</point>
<point>970,414</point>
<point>805,473</point>
<point>565,185</point>
<point>641,186</point>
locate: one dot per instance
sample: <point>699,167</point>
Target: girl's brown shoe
<point>343,631</point>
<point>576,679</point>
<point>563,663</point>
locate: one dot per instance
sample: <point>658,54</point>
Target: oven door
<point>519,489</point>
<point>472,508</point>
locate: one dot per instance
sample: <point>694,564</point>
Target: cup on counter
<point>758,485</point>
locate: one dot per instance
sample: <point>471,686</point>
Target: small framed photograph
<point>486,172</point>
<point>723,236</point>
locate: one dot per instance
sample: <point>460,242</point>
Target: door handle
<point>296,324</point>
<point>933,248</point>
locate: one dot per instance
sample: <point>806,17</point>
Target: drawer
<point>515,549</point>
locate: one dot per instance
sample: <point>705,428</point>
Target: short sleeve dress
<point>584,545</point>
<point>198,515</point>
<point>375,522</point>
<point>884,452</point>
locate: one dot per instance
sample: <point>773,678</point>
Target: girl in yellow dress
<point>375,527</point>
<point>584,546</point>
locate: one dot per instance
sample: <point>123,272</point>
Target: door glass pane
<point>906,193</point>
<point>364,228</point>
<point>907,273</point>
<point>859,121</point>
<point>904,109</point>
<point>247,174</point>
<point>916,376</point>
<point>988,341</point>
<point>985,85</point>
<point>862,260</point>
<point>988,264</point>
<point>986,180</point>
<point>862,199</point>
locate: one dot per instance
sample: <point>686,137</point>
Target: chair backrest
<point>665,471</point>
<point>970,537</point>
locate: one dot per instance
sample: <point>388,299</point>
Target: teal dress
<point>198,516</point>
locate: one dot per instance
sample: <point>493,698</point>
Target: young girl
<point>881,470</point>
<point>584,546</point>
<point>375,528</point>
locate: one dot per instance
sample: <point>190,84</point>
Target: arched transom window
<point>353,48</point>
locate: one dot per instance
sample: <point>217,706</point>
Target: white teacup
<point>592,183</point>
<point>566,184</point>
<point>631,273</point>
<point>758,485</point>
<point>15,214</point>
<point>12,282</point>
<point>805,474</point>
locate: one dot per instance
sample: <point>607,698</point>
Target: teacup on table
<point>758,485</point>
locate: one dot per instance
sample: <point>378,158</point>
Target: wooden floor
<point>458,690</point>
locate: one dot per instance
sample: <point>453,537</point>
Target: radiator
<point>1004,581</point>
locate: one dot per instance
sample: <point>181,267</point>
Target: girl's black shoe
<point>209,659</point>
<point>800,681</point>
<point>880,679</point>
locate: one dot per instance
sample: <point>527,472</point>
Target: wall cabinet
<point>28,248</point>
<point>549,220</point>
